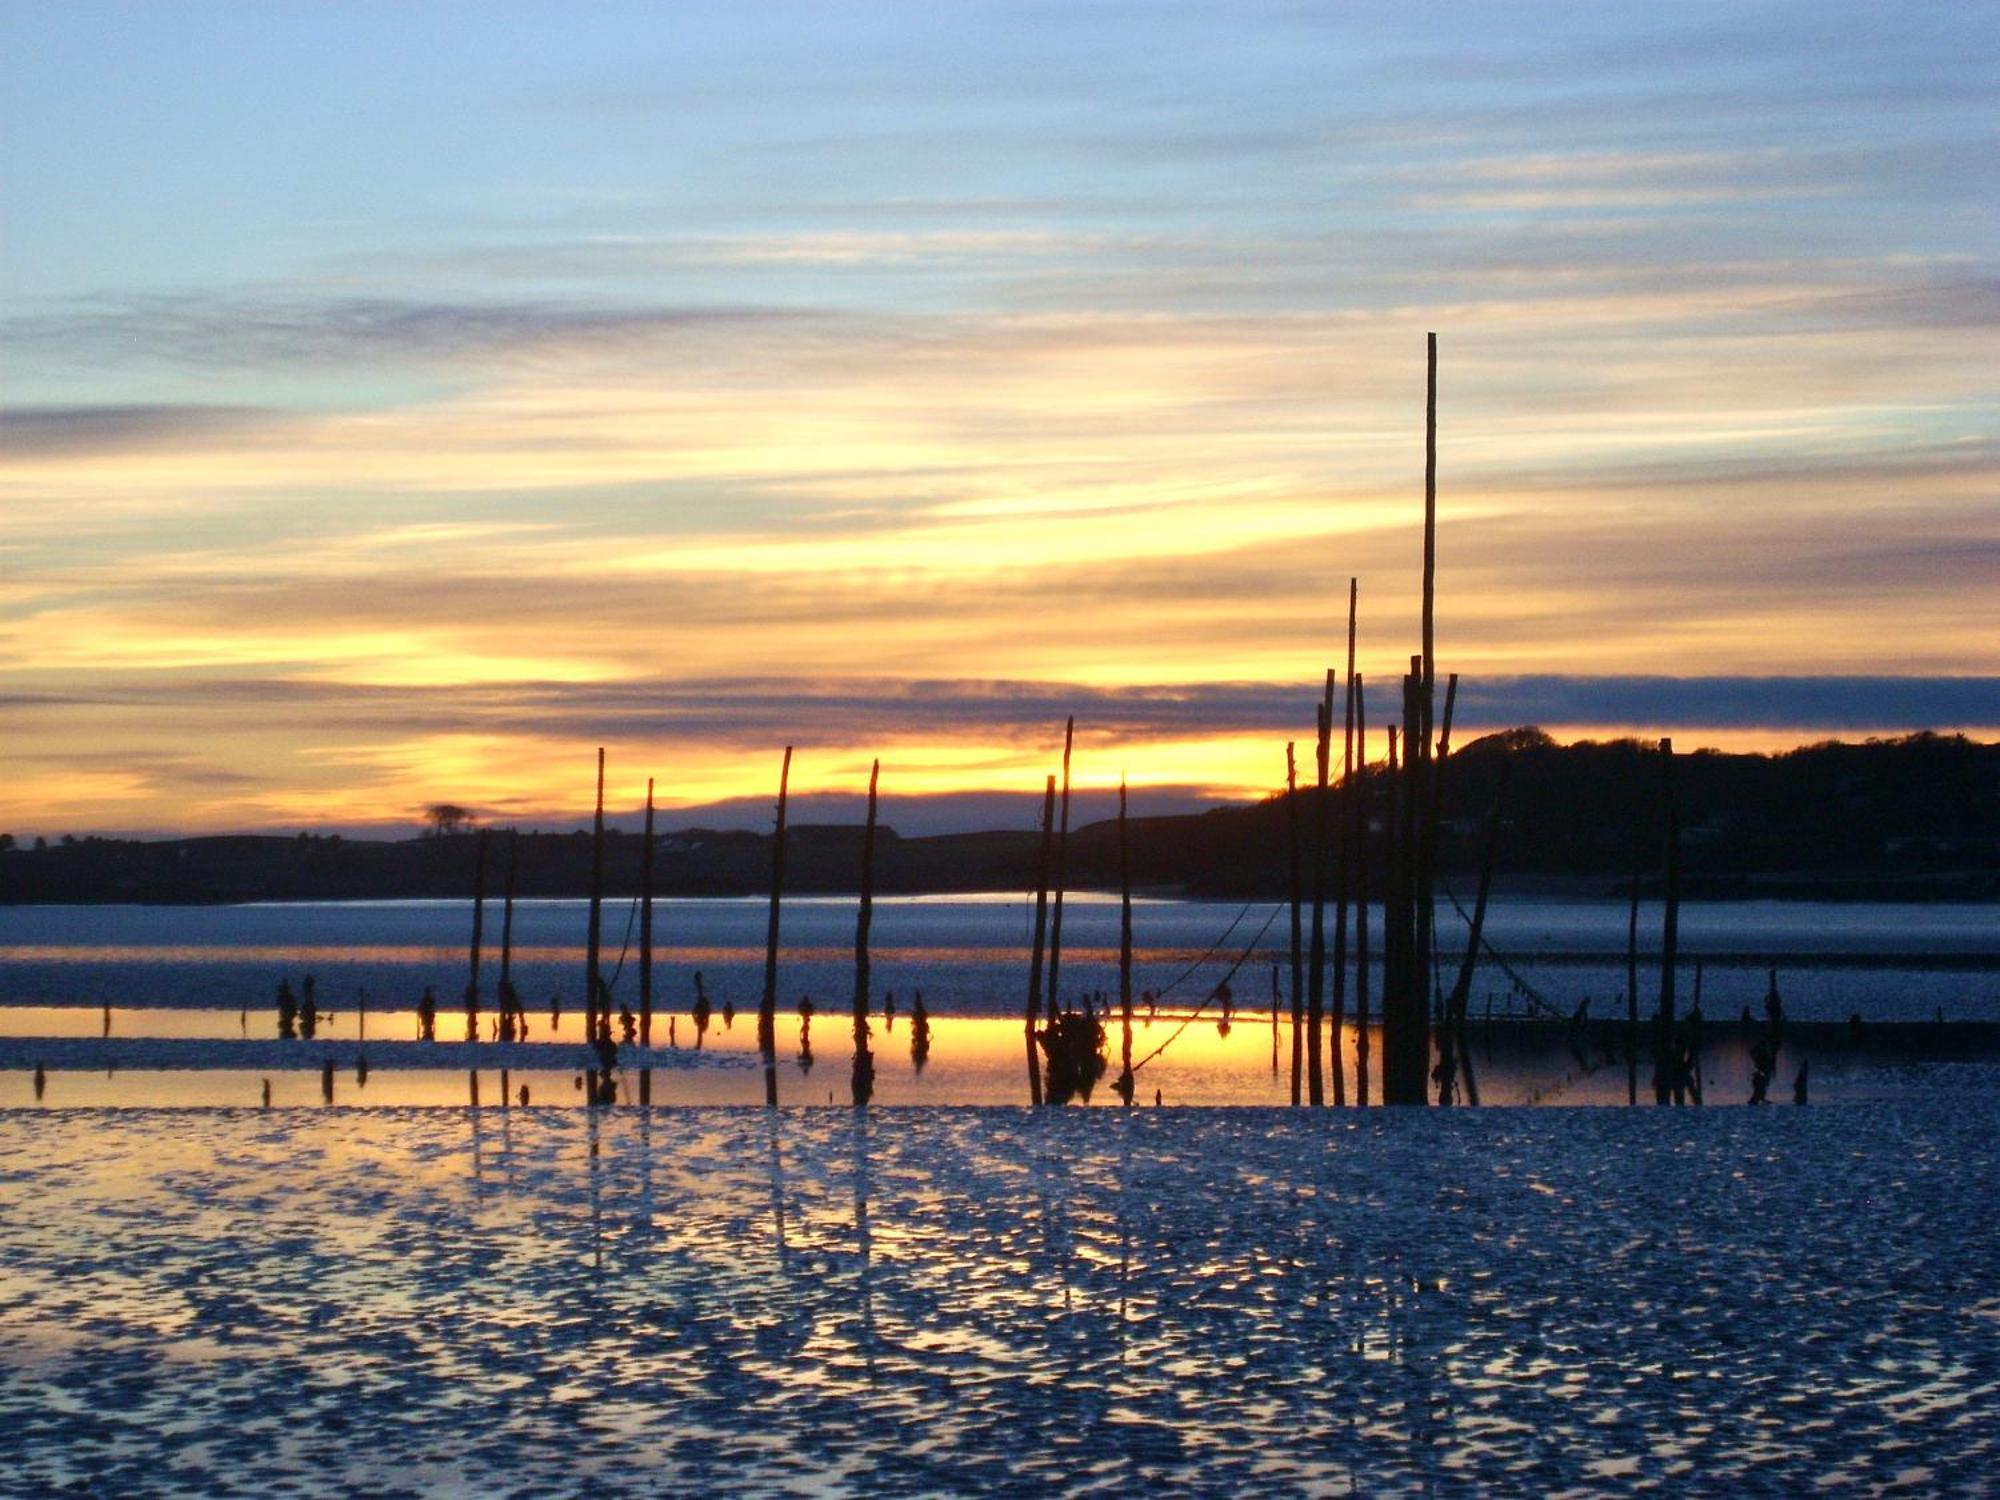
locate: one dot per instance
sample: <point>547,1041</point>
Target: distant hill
<point>1910,818</point>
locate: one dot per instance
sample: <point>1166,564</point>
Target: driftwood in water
<point>592,948</point>
<point>767,1007</point>
<point>1298,940</point>
<point>1357,816</point>
<point>1041,935</point>
<point>1053,997</point>
<point>1316,957</point>
<point>863,1086</point>
<point>646,926</point>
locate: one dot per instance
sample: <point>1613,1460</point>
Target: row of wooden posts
<point>1410,804</point>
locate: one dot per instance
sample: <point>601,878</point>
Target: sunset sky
<point>397,401</point>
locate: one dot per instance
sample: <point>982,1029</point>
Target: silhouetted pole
<point>1316,960</point>
<point>1632,997</point>
<point>1298,939</point>
<point>478,933</point>
<point>1461,992</point>
<point>1430,518</point>
<point>646,926</point>
<point>507,918</point>
<point>1054,996</point>
<point>1670,1082</point>
<point>864,1060</point>
<point>767,1008</point>
<point>1358,829</point>
<point>1344,873</point>
<point>1041,934</point>
<point>1126,1083</point>
<point>592,951</point>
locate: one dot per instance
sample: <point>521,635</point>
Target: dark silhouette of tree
<point>446,818</point>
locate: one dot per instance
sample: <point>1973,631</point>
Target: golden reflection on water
<point>970,1061</point>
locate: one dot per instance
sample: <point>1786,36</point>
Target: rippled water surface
<point>531,1302</point>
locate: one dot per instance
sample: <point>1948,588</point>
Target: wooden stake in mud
<point>592,948</point>
<point>646,926</point>
<point>1632,996</point>
<point>1668,1082</point>
<point>1298,940</point>
<point>509,1002</point>
<point>1344,873</point>
<point>1054,996</point>
<point>1357,815</point>
<point>1126,1083</point>
<point>1041,933</point>
<point>1430,519</point>
<point>1316,960</point>
<point>767,1007</point>
<point>1461,992</point>
<point>864,1059</point>
<point>478,937</point>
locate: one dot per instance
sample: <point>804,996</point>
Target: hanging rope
<point>612,983</point>
<point>1213,948</point>
<point>1534,996</point>
<point>1195,1014</point>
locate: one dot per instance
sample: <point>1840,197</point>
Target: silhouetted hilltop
<point>1916,817</point>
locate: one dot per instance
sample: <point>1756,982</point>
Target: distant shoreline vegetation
<point>1914,818</point>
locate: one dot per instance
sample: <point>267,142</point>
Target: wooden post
<point>1358,829</point>
<point>1041,933</point>
<point>1461,992</point>
<point>1298,940</point>
<point>864,1060</point>
<point>646,926</point>
<point>1632,996</point>
<point>1054,996</point>
<point>1126,1083</point>
<point>1669,1083</point>
<point>1344,873</point>
<point>767,1007</point>
<point>478,935</point>
<point>509,1002</point>
<point>1430,521</point>
<point>1417,897</point>
<point>592,949</point>
<point>1316,960</point>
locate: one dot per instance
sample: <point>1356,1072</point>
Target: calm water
<point>969,954</point>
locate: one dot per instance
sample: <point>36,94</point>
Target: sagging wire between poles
<point>1195,1014</point>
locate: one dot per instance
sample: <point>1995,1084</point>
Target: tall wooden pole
<point>1298,940</point>
<point>1126,1082</point>
<point>507,918</point>
<point>864,1058</point>
<point>478,934</point>
<point>1430,521</point>
<point>646,926</point>
<point>1358,830</point>
<point>1461,992</point>
<point>1670,1084</point>
<point>593,948</point>
<point>1041,932</point>
<point>767,1007</point>
<point>1316,960</point>
<point>1344,873</point>
<point>1054,996</point>
<point>1632,995</point>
